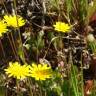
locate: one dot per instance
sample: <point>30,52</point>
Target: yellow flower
<point>3,28</point>
<point>40,72</point>
<point>17,71</point>
<point>14,21</point>
<point>62,27</point>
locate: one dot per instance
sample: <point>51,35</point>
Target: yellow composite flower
<point>40,72</point>
<point>62,27</point>
<point>3,28</point>
<point>17,71</point>
<point>14,21</point>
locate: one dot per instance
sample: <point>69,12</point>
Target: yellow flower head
<point>3,28</point>
<point>14,21</point>
<point>62,27</point>
<point>17,71</point>
<point>40,72</point>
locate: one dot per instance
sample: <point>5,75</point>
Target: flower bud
<point>90,38</point>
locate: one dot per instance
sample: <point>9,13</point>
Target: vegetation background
<point>37,41</point>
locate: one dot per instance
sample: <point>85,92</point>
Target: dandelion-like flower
<point>40,72</point>
<point>3,28</point>
<point>62,27</point>
<point>14,21</point>
<point>17,71</point>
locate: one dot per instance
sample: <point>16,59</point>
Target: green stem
<point>82,85</point>
<point>73,78</point>
<point>45,93</point>
<point>2,49</point>
<point>30,84</point>
<point>19,32</point>
<point>14,47</point>
<point>76,81</point>
<point>74,87</point>
<point>4,6</point>
<point>40,91</point>
<point>17,87</point>
<point>40,88</point>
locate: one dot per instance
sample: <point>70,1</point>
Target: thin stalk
<point>69,76</point>
<point>50,45</point>
<point>43,16</point>
<point>73,75</point>
<point>4,6</point>
<point>29,83</point>
<point>40,88</point>
<point>45,93</point>
<point>41,92</point>
<point>47,50</point>
<point>74,6</point>
<point>6,92</point>
<point>69,9</point>
<point>13,46</point>
<point>2,49</point>
<point>37,51</point>
<point>17,87</point>
<point>82,85</point>
<point>75,86</point>
<point>19,31</point>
